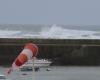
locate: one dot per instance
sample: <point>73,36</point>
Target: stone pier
<point>61,51</point>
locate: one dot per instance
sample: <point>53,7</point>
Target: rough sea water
<point>57,73</point>
<point>49,31</point>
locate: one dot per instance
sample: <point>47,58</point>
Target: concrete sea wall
<point>60,51</point>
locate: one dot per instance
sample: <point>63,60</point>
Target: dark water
<point>57,73</point>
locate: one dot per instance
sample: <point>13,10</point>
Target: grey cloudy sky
<point>69,12</point>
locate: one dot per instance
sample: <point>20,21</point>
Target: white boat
<point>41,63</point>
<point>3,77</point>
<point>35,63</point>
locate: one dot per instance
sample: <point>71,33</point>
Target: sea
<point>56,73</point>
<point>49,31</point>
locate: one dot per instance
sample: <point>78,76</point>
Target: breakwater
<point>60,51</point>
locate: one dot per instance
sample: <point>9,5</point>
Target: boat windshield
<point>2,77</point>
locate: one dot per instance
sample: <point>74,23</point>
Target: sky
<point>66,12</point>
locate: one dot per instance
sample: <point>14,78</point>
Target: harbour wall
<point>60,51</point>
